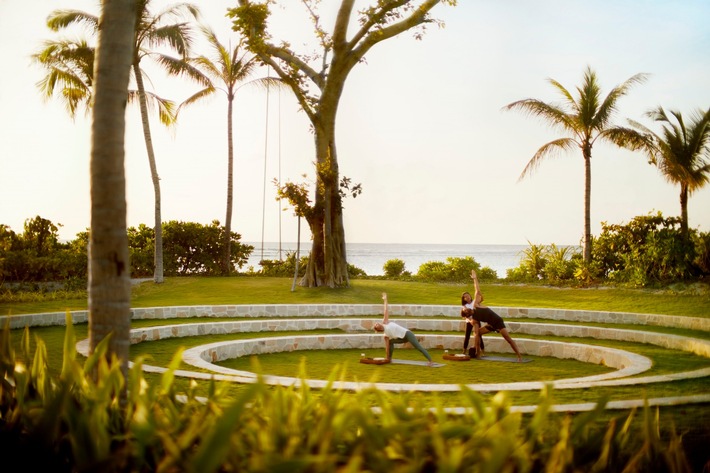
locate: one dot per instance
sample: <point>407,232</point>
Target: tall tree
<point>682,153</point>
<point>153,34</point>
<point>587,118</point>
<point>109,272</point>
<point>318,84</point>
<point>226,70</point>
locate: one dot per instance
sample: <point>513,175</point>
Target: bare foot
<point>430,364</point>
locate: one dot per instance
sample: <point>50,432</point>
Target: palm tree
<point>682,153</point>
<point>229,69</point>
<point>152,31</point>
<point>587,119</point>
<point>109,273</point>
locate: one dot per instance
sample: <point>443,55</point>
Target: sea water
<point>371,257</point>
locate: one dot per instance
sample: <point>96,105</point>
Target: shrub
<point>702,252</point>
<point>649,249</point>
<point>355,272</point>
<point>546,263</point>
<point>454,270</point>
<point>284,268</point>
<point>393,268</point>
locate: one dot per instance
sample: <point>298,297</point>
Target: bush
<point>649,249</point>
<point>546,263</point>
<point>393,268</point>
<point>355,272</point>
<point>454,270</point>
<point>702,252</point>
<point>284,268</point>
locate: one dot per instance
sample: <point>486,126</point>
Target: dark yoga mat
<point>379,361</point>
<point>501,358</point>
<point>416,362</point>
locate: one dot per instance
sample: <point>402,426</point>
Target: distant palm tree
<point>682,153</point>
<point>227,70</point>
<point>588,119</point>
<point>152,31</point>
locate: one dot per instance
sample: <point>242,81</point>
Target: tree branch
<point>341,24</point>
<point>417,17</point>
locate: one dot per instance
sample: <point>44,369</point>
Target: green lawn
<point>258,290</point>
<point>253,290</point>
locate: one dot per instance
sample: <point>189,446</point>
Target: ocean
<point>371,257</point>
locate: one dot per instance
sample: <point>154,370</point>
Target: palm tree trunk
<point>158,226</point>
<point>226,264</point>
<point>109,269</point>
<point>587,205</point>
<point>684,210</point>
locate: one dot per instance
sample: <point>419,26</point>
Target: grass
<point>257,290</point>
<point>251,290</point>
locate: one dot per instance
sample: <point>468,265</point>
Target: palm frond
<point>658,145</point>
<point>60,19</point>
<point>537,108</point>
<point>176,36</point>
<point>553,148</point>
<point>204,63</point>
<point>699,136</point>
<point>609,105</point>
<point>166,108</point>
<point>629,138</point>
<point>685,155</point>
<point>181,67</point>
<point>196,97</point>
<point>69,66</point>
<point>589,93</point>
<point>571,102</point>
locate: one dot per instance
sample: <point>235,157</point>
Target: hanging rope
<point>279,203</point>
<point>266,146</point>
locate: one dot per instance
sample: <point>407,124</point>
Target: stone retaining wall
<point>375,310</point>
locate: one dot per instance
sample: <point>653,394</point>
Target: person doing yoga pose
<point>480,313</point>
<point>395,333</point>
<point>467,313</point>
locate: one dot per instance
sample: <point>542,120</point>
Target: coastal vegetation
<point>648,251</point>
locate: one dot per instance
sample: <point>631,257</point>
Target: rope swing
<point>266,147</point>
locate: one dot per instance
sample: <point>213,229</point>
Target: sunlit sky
<point>420,126</point>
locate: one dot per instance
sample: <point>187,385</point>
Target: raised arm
<point>478,295</point>
<point>386,317</point>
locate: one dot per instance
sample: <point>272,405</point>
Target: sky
<point>420,126</point>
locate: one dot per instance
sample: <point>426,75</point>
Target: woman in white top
<point>397,334</point>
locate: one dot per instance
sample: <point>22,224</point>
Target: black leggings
<point>469,329</point>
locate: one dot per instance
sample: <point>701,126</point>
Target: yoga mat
<point>501,358</point>
<point>416,362</point>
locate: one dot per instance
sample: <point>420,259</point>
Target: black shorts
<point>490,328</point>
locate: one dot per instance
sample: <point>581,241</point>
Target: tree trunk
<point>109,269</point>
<point>587,152</point>
<point>226,264</point>
<point>684,210</point>
<point>327,265</point>
<point>158,225</point>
